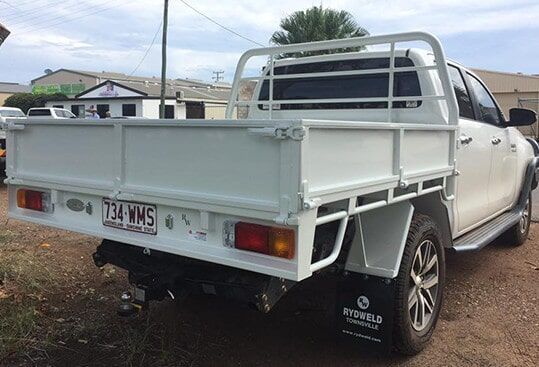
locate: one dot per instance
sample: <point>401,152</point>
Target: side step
<point>488,232</point>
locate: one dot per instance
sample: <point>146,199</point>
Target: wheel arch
<point>380,236</point>
<point>433,206</point>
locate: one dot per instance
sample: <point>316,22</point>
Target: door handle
<point>496,140</point>
<point>464,139</point>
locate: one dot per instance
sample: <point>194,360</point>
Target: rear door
<point>502,183</point>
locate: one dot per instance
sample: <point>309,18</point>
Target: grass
<point>23,280</point>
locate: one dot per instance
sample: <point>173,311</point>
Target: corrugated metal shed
<point>503,82</point>
<point>14,88</point>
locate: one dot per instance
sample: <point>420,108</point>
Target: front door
<point>501,188</point>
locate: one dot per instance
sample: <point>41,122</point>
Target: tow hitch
<point>157,275</point>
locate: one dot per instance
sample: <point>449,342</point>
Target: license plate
<point>136,217</point>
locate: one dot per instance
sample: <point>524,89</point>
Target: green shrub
<point>25,101</point>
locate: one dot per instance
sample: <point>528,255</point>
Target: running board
<point>488,232</point>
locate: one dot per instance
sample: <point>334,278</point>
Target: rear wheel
<point>518,234</point>
<point>419,286</point>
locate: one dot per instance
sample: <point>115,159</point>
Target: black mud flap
<point>364,312</point>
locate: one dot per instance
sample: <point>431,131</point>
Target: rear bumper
<point>178,240</point>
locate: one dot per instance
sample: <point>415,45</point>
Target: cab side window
<point>463,97</point>
<point>488,111</point>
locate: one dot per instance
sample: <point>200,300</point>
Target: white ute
<point>365,165</point>
<point>7,112</point>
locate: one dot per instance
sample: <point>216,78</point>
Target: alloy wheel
<point>423,293</point>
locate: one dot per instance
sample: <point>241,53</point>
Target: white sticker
<point>198,235</point>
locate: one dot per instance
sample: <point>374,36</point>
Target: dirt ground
<point>58,309</point>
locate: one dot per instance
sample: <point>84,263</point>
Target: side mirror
<point>521,117</point>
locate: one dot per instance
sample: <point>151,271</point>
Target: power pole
<point>164,62</point>
<point>218,76</point>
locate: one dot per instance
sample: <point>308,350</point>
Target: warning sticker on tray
<point>198,235</point>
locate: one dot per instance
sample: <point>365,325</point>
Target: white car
<point>367,166</point>
<point>50,112</point>
<point>7,112</point>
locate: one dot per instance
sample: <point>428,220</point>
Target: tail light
<point>2,153</point>
<point>34,200</point>
<point>273,241</point>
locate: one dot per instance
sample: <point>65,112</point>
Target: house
<point>137,98</point>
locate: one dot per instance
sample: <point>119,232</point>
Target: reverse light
<point>267,240</point>
<point>34,200</point>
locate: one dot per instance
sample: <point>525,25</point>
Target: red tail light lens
<point>2,153</point>
<point>272,241</point>
<point>252,237</point>
<point>33,200</point>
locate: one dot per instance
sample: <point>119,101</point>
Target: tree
<point>25,101</point>
<point>317,24</point>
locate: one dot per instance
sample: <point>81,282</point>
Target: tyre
<point>419,286</point>
<point>518,234</point>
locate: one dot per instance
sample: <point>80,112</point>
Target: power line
<point>219,24</point>
<point>25,13</point>
<point>68,20</point>
<point>8,4</point>
<point>45,16</point>
<point>21,7</point>
<point>43,20</point>
<point>147,50</point>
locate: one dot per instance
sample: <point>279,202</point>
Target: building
<point>72,82</point>
<point>512,89</point>
<point>125,95</point>
<point>142,99</point>
<point>9,89</point>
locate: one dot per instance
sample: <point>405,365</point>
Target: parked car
<point>365,165</point>
<point>6,112</point>
<point>50,112</point>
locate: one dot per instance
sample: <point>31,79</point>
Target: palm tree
<point>317,24</point>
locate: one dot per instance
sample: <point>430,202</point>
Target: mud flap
<point>364,313</point>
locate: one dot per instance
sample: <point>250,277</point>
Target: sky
<point>114,35</point>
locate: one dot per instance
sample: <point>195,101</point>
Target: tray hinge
<point>292,132</point>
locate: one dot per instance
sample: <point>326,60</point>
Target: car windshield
<point>11,113</point>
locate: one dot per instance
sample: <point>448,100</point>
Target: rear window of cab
<point>39,112</point>
<point>406,84</point>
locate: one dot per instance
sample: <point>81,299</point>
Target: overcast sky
<point>113,35</point>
